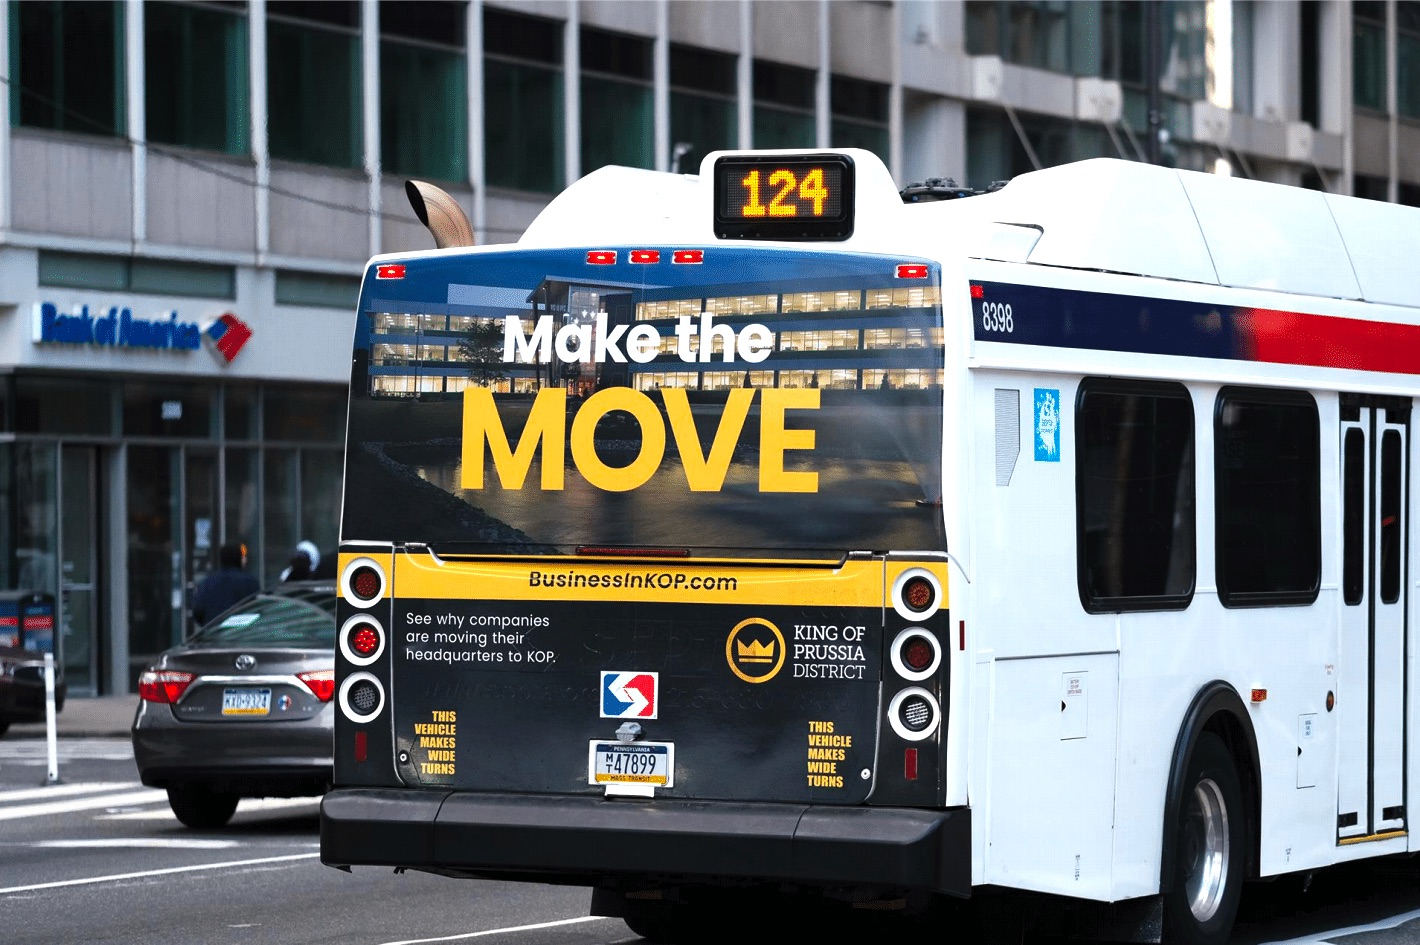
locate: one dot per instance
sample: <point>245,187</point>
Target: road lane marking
<point>60,790</point>
<point>119,877</point>
<point>147,796</point>
<point>156,843</point>
<point>29,751</point>
<point>247,806</point>
<point>487,932</point>
<point>1324,938</point>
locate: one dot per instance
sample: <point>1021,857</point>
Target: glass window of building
<point>317,289</point>
<point>132,274</point>
<point>313,82</point>
<point>70,63</point>
<point>784,98</point>
<point>617,107</point>
<point>196,76</point>
<point>522,101</point>
<point>703,113</point>
<point>1407,59</point>
<point>994,150</point>
<point>154,409</point>
<point>1027,32</point>
<point>860,114</point>
<point>1134,496</point>
<point>423,89</point>
<point>1368,54</point>
<point>64,405</point>
<point>1244,16</point>
<point>304,413</point>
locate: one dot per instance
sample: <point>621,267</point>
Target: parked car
<point>22,687</point>
<point>242,708</point>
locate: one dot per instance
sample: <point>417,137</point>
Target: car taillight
<point>321,683</point>
<point>163,685</point>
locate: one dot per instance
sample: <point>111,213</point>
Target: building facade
<point>188,191</point>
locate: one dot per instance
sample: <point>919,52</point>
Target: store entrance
<point>172,537</point>
<point>79,612</point>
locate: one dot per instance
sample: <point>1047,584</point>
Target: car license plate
<point>246,701</point>
<point>646,763</point>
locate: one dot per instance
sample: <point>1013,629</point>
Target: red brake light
<point>688,256</point>
<point>365,583</point>
<point>644,256</point>
<point>163,685</point>
<point>912,271</point>
<point>365,641</point>
<point>321,683</point>
<point>917,654</point>
<point>601,257</point>
<point>918,594</point>
<point>978,291</point>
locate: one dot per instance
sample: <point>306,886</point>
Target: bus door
<point>1370,696</point>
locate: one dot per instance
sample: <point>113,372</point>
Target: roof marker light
<point>645,256</point>
<point>389,271</point>
<point>601,257</point>
<point>692,257</point>
<point>978,292</point>
<point>912,271</point>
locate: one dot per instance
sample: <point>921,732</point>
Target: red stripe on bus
<point>1325,341</point>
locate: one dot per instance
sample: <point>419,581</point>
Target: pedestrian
<point>304,561</point>
<point>223,588</point>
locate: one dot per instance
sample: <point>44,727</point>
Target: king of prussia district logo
<point>755,650</point>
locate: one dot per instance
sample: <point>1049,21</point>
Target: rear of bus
<point>643,572</point>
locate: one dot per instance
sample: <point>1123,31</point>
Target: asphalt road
<point>100,859</point>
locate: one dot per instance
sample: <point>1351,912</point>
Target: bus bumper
<point>585,839</point>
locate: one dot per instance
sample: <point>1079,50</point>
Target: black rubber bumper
<point>569,837</point>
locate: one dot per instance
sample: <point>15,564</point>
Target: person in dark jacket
<point>225,586</point>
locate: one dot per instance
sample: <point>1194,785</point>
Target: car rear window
<point>272,621</point>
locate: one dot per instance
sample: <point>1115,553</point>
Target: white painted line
<point>1325,937</point>
<point>151,796</point>
<point>118,877</point>
<point>488,932</point>
<point>127,843</point>
<point>60,790</point>
<point>247,806</point>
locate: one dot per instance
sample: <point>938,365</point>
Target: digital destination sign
<point>785,197</point>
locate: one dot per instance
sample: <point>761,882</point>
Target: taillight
<point>362,583</point>
<point>365,583</point>
<point>365,641</point>
<point>362,639</point>
<point>321,683</point>
<point>915,654</point>
<point>917,594</point>
<point>163,685</point>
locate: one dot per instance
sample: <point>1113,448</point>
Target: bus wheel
<point>1208,850</point>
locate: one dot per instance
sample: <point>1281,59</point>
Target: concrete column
<point>572,91</point>
<point>661,88</point>
<point>895,98</point>
<point>823,129</point>
<point>5,69</point>
<point>744,68</point>
<point>370,100</point>
<point>1392,108</point>
<point>137,115</point>
<point>260,139</point>
<point>477,159</point>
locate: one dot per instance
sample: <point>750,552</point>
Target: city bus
<point>772,530</point>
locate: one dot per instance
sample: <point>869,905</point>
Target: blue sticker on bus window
<point>1047,425</point>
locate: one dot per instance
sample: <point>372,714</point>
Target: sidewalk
<point>101,717</point>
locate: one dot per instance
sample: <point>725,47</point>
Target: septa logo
<point>225,336</point>
<point>389,271</point>
<point>629,695</point>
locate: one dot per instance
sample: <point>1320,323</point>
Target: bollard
<point>50,722</point>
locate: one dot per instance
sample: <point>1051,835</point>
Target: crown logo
<point>755,652</point>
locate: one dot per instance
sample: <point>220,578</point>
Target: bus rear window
<point>512,403</point>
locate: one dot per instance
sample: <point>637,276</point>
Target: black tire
<point>4,727</point>
<point>1209,849</point>
<point>201,808</point>
<point>659,923</point>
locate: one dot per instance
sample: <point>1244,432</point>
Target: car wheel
<point>201,808</point>
<point>1208,850</point>
<point>4,726</point>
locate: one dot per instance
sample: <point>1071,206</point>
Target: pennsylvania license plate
<point>646,763</point>
<point>246,701</point>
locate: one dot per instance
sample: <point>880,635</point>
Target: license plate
<point>646,763</point>
<point>246,701</point>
